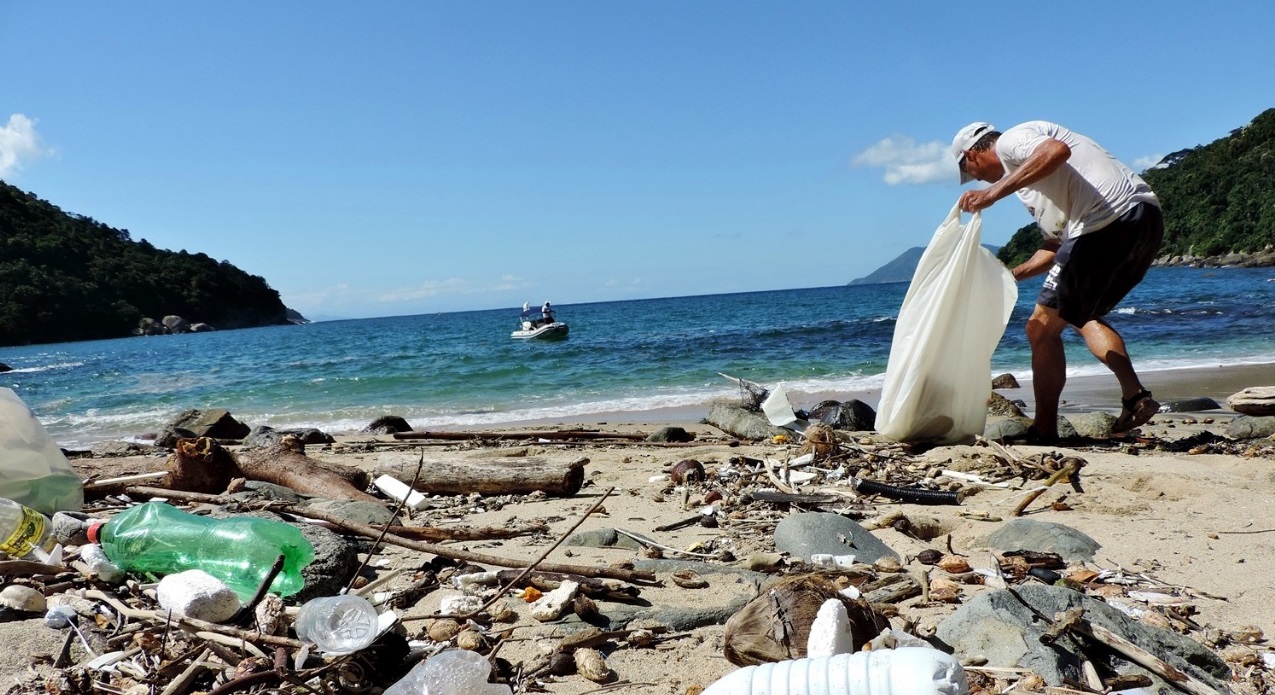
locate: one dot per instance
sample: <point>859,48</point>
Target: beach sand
<point>1201,524</point>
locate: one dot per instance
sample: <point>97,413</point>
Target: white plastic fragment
<point>904,671</point>
<point>830,631</point>
<point>197,594</point>
<point>400,491</point>
<point>451,672</point>
<point>552,605</point>
<point>851,592</point>
<point>658,478</point>
<point>474,579</point>
<point>93,556</point>
<point>822,560</point>
<point>459,604</point>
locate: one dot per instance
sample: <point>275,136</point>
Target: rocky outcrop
<point>1240,259</point>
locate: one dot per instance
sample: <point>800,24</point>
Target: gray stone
<point>671,434</point>
<point>602,538</point>
<point>733,588</point>
<point>853,415</point>
<point>388,424</point>
<point>336,559</point>
<point>803,535</point>
<point>263,436</point>
<point>741,422</point>
<point>1005,381</point>
<point>261,490</point>
<point>1044,537</point>
<point>1257,401</point>
<point>1189,405</point>
<point>996,625</point>
<point>1095,425</point>
<point>216,423</point>
<point>357,511</point>
<point>1249,427</point>
<point>1000,405</point>
<point>1016,428</point>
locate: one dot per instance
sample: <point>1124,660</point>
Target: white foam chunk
<point>197,594</point>
<point>400,491</point>
<point>830,631</point>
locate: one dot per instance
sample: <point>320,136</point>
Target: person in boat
<point>546,314</point>
<point>1101,226</point>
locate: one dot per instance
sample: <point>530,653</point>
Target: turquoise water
<point>462,369</point>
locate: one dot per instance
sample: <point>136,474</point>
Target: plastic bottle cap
<point>92,531</point>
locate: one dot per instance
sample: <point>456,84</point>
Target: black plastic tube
<point>911,495</point>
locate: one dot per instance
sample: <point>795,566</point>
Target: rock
<point>602,538</point>
<point>1256,400</point>
<point>22,599</point>
<point>671,434</point>
<point>217,424</point>
<point>996,625</point>
<point>803,535</point>
<point>263,436</point>
<point>1045,537</point>
<point>741,422</point>
<point>336,559</point>
<point>853,415</point>
<point>1000,405</point>
<point>168,436</point>
<point>201,328</point>
<point>1189,405</point>
<point>1095,425</point>
<point>1248,427</point>
<point>176,324</point>
<point>116,447</point>
<point>5,368</point>
<point>388,424</point>
<point>356,511</point>
<point>1016,427</point>
<point>149,326</point>
<point>1005,381</point>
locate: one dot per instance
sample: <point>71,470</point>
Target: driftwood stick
<point>1179,679</point>
<point>373,532</point>
<point>181,620</point>
<point>1064,473</point>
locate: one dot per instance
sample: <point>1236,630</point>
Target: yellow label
<point>26,535</point>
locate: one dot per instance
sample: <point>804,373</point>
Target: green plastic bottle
<point>162,539</point>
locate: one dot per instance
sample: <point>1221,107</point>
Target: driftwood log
<point>202,465</point>
<point>493,476</point>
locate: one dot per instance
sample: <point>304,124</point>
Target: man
<point>1102,227</point>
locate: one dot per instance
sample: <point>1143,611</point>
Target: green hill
<point>901,269</point>
<point>1218,199</point>
<point>68,277</point>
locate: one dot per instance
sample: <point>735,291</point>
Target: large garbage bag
<point>938,378</point>
<point>33,470</point>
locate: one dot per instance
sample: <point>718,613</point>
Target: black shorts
<point>1094,271</point>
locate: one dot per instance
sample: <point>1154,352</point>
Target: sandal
<point>1138,410</point>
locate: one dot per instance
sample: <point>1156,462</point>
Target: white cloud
<point>19,144</point>
<point>906,161</point>
<point>429,288</point>
<point>1148,162</point>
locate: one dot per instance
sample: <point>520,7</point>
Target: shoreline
<point>1084,393</point>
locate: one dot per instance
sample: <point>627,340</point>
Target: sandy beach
<point>1196,523</point>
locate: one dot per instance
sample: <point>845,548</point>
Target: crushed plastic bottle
<point>904,671</point>
<point>452,672</point>
<point>33,470</point>
<point>25,533</point>
<point>159,538</point>
<point>337,624</point>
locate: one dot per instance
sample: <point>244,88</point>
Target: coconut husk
<point>775,626</point>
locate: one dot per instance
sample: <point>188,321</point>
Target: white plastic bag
<point>33,470</point>
<point>939,375</point>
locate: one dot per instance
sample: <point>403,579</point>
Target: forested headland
<point>67,277</point>
<point>1218,201</point>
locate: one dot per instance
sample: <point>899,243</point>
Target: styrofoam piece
<point>459,604</point>
<point>851,592</point>
<point>904,671</point>
<point>93,556</point>
<point>197,594</point>
<point>400,491</point>
<point>552,605</point>
<point>843,560</point>
<point>830,631</point>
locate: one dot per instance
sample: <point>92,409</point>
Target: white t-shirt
<point>1088,192</point>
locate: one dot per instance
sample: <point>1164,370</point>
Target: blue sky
<point>390,158</point>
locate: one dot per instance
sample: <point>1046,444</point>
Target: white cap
<point>965,139</point>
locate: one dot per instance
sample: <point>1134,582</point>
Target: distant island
<point>901,268</point>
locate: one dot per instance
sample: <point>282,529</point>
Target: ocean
<point>462,369</point>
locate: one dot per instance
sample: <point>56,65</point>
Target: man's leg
<point>1049,366</point>
<point>1107,345</point>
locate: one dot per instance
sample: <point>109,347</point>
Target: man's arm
<point>1044,160</point>
<point>1039,262</point>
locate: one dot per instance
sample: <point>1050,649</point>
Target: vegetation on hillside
<point>68,277</point>
<point>1217,198</point>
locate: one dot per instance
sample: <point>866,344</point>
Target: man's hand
<point>973,201</point>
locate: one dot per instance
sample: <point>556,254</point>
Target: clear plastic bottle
<point>451,672</point>
<point>33,470</point>
<point>337,624</point>
<point>25,533</point>
<point>902,671</point>
<point>159,538</point>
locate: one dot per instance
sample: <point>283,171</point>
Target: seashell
<point>887,564</point>
<point>1247,634</point>
<point>687,471</point>
<point>502,612</point>
<point>591,665</point>
<point>689,579</point>
<point>443,630</point>
<point>269,615</point>
<point>929,556</point>
<point>584,607</point>
<point>470,641</point>
<point>23,598</point>
<point>640,638</point>
<point>954,564</point>
<point>945,590</point>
